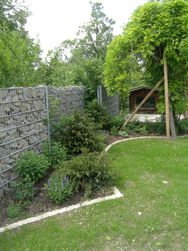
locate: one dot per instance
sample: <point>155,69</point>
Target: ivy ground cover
<point>153,176</point>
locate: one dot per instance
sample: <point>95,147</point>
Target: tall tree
<point>80,61</point>
<point>155,30</point>
<point>19,55</point>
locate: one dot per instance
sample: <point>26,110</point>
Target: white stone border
<point>116,194</point>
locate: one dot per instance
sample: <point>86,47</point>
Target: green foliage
<point>99,114</point>
<point>60,187</point>
<point>32,166</point>
<point>24,190</point>
<point>80,61</point>
<point>19,54</point>
<point>78,132</point>
<point>123,134</point>
<point>155,30</point>
<point>14,210</point>
<point>145,128</point>
<point>183,126</point>
<point>117,120</point>
<point>54,152</point>
<point>90,172</point>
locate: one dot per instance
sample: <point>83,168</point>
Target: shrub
<point>14,210</point>
<point>99,114</point>
<point>89,171</point>
<point>60,187</point>
<point>183,126</point>
<point>117,121</point>
<point>24,190</point>
<point>54,152</point>
<point>33,166</point>
<point>78,132</point>
<point>145,128</point>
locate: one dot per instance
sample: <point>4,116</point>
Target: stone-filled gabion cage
<point>25,121</point>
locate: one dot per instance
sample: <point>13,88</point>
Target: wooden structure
<point>138,94</point>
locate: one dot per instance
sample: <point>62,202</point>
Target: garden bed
<point>42,204</point>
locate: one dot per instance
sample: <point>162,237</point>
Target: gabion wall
<point>25,121</point>
<point>110,102</point>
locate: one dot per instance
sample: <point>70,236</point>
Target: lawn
<point>153,214</point>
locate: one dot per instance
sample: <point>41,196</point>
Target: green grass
<point>142,168</point>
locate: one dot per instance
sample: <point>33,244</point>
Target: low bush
<point>99,114</point>
<point>78,132</point>
<point>32,166</point>
<point>183,126</point>
<point>145,128</point>
<point>60,187</point>
<point>90,171</point>
<point>14,211</point>
<point>54,152</point>
<point>117,121</point>
<point>87,172</point>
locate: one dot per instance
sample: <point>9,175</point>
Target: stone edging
<point>116,194</point>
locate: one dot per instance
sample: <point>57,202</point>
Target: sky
<point>53,21</point>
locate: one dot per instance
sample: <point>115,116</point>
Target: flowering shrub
<point>60,187</point>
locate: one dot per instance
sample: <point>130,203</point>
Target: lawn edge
<point>116,195</point>
<point>135,138</point>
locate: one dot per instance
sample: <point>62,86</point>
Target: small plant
<point>54,152</point>
<point>78,132</point>
<point>123,134</point>
<point>60,187</point>
<point>33,166</point>
<point>14,210</point>
<point>24,190</point>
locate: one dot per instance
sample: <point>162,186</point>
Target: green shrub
<point>14,210</point>
<point>99,114</point>
<point>33,166</point>
<point>117,121</point>
<point>54,152</point>
<point>78,132</point>
<point>145,128</point>
<point>60,187</point>
<point>183,126</point>
<point>24,190</point>
<point>90,172</point>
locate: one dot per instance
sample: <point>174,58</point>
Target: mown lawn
<point>153,215</point>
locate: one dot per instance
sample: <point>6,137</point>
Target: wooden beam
<point>172,124</point>
<point>141,104</point>
<point>167,105</point>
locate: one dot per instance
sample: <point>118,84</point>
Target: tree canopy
<point>80,61</point>
<point>19,54</point>
<point>155,29</point>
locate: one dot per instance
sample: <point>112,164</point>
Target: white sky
<point>56,20</point>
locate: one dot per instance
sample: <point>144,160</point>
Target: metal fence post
<point>48,115</point>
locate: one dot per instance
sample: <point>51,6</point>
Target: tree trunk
<point>167,106</point>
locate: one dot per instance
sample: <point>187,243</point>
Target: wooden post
<point>167,106</point>
<point>141,104</point>
<point>172,123</point>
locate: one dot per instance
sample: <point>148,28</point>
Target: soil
<point>41,202</point>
